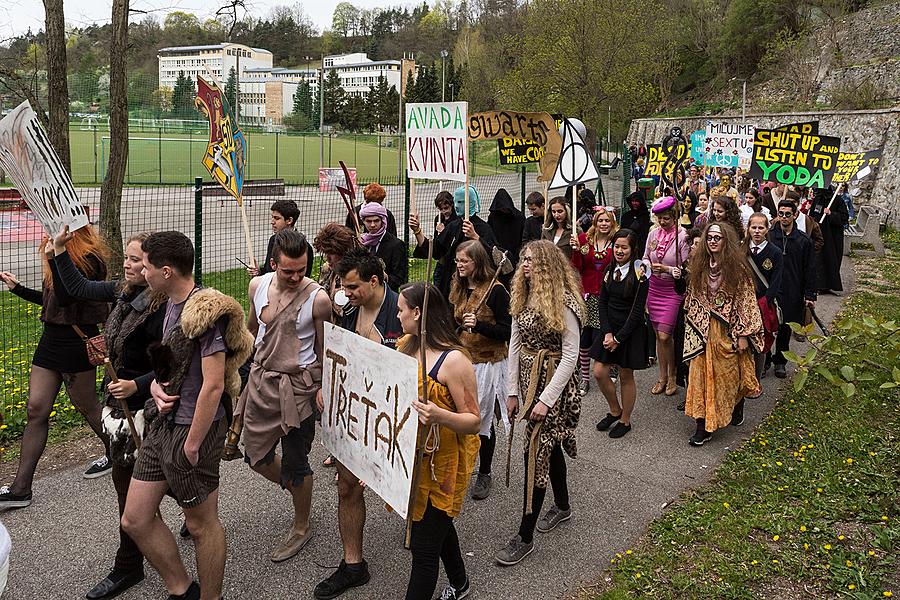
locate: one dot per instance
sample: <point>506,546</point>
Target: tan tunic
<point>280,394</point>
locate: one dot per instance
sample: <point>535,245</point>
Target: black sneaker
<point>780,371</point>
<point>344,578</point>
<point>192,593</point>
<point>619,430</point>
<point>452,593</point>
<point>699,438</point>
<point>100,467</point>
<point>115,583</point>
<point>737,417</point>
<point>607,421</point>
<point>9,500</point>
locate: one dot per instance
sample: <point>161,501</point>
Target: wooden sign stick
<point>830,202</point>
<point>412,198</point>
<point>466,193</point>
<point>111,373</point>
<point>572,218</point>
<point>246,224</point>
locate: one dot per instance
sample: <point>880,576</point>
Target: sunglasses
<point>715,238</point>
<point>785,214</point>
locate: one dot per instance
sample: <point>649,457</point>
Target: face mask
<point>459,201</point>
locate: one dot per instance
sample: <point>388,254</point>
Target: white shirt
<point>622,270</point>
<point>759,248</point>
<point>747,212</point>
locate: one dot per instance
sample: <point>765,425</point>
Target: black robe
<point>798,274</point>
<point>395,256</point>
<point>446,245</point>
<point>639,222</point>
<point>832,227</point>
<point>507,223</point>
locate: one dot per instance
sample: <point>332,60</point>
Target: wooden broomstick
<point>111,373</point>
<point>503,267</point>
<point>423,373</point>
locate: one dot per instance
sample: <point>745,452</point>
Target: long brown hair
<point>552,276</point>
<point>85,244</point>
<point>440,328</point>
<point>593,233</point>
<point>484,270</point>
<point>549,222</point>
<point>732,261</point>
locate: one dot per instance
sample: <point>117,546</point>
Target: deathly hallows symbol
<point>575,163</point>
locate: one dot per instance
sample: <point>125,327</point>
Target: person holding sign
<point>833,218</point>
<point>449,417</point>
<point>558,226</point>
<point>135,322</point>
<point>723,329</point>
<point>481,310</point>
<point>60,357</point>
<point>372,313</point>
<point>547,312</point>
<point>288,311</point>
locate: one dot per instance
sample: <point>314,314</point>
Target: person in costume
<point>284,215</point>
<point>372,193</point>
<point>833,222</point>
<point>637,219</point>
<point>558,226</point>
<point>481,310</point>
<point>449,421</point>
<point>447,230</point>
<point>767,270</point>
<point>622,336</point>
<point>535,222</point>
<point>723,328</point>
<point>60,358</point>
<point>591,254</point>
<point>666,249</point>
<point>205,341</point>
<point>371,312</point>
<point>472,228</point>
<point>288,312</point>
<point>507,223</point>
<point>135,322</point>
<point>799,281</point>
<point>725,210</point>
<point>381,243</point>
<point>725,188</point>
<point>547,312</point>
<point>682,367</point>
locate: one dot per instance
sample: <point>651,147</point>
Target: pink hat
<point>663,204</point>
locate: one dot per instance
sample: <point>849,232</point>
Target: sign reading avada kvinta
<point>368,422</point>
<point>437,140</point>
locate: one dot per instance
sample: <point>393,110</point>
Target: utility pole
<point>322,113</point>
<point>443,72</point>
<point>744,102</point>
<point>237,89</point>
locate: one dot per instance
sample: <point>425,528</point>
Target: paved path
<point>64,543</point>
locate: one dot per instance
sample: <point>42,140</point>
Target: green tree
<point>335,98</point>
<point>411,94</point>
<point>183,97</point>
<point>231,85</point>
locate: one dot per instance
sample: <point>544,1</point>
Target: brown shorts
<point>162,458</point>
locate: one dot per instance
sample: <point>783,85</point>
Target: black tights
<point>434,540</point>
<point>486,452</point>
<point>43,388</point>
<point>128,556</point>
<point>560,493</point>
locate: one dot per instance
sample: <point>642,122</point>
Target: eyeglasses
<point>527,259</point>
<point>714,238</point>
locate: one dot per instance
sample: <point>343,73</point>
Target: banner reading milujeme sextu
<point>794,158</point>
<point>854,166</point>
<point>368,422</point>
<point>729,144</point>
<point>437,140</point>
<point>31,162</point>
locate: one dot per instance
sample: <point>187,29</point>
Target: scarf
<point>373,209</point>
<point>715,277</point>
<point>664,239</point>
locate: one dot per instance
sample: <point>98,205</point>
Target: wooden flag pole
<point>466,195</point>
<point>423,374</point>
<point>246,223</point>
<point>830,202</point>
<point>111,373</point>
<point>412,198</point>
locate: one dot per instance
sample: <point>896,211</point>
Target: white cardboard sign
<point>368,422</point>
<point>575,162</point>
<point>31,162</point>
<point>729,144</point>
<point>437,136</point>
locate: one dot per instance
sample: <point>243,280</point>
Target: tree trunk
<point>111,191</point>
<point>57,83</point>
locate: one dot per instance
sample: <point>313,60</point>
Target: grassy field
<point>157,156</point>
<point>20,330</point>
<point>807,508</point>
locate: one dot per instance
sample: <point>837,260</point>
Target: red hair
<point>374,193</point>
<point>86,243</point>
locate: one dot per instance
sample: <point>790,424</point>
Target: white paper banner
<point>368,422</point>
<point>437,135</point>
<point>729,144</point>
<point>575,162</point>
<point>31,162</point>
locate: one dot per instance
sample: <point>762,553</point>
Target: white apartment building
<point>220,58</point>
<point>359,74</point>
<point>266,101</point>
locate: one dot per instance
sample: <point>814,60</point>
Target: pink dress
<point>663,302</point>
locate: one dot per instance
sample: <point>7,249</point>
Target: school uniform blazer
<point>769,262</point>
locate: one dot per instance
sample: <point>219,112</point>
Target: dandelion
<point>827,546</point>
<point>819,490</point>
<point>752,562</point>
<point>628,552</point>
<point>774,561</point>
<point>840,537</point>
<point>806,546</point>
<point>887,594</point>
<point>52,413</point>
<point>726,505</point>
<point>637,575</point>
<point>803,528</point>
<point>849,461</point>
<point>851,587</point>
<point>884,517</point>
<point>775,538</point>
<point>871,553</point>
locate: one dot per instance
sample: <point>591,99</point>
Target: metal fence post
<point>406,210</point>
<point>522,198</point>
<point>159,153</point>
<point>276,154</point>
<point>626,175</point>
<point>198,230</point>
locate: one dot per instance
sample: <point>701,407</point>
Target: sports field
<point>158,156</point>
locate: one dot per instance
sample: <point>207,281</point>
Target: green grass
<point>155,157</point>
<point>807,507</point>
<point>20,330</point>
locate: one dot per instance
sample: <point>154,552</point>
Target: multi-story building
<point>219,58</point>
<point>359,74</point>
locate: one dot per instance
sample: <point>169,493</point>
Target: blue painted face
<point>459,201</point>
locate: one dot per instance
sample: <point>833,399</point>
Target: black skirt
<point>61,350</point>
<point>631,354</point>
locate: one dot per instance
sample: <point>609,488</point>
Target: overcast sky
<point>17,16</point>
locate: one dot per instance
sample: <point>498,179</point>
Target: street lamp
<point>308,83</point>
<point>444,54</point>
<point>451,93</point>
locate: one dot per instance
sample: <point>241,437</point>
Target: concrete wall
<point>859,130</point>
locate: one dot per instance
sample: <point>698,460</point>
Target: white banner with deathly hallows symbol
<point>575,162</point>
<point>31,162</point>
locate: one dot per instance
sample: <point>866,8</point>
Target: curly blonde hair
<point>593,233</point>
<point>552,279</point>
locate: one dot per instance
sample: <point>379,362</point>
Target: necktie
<point>755,250</point>
<point>618,275</point>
